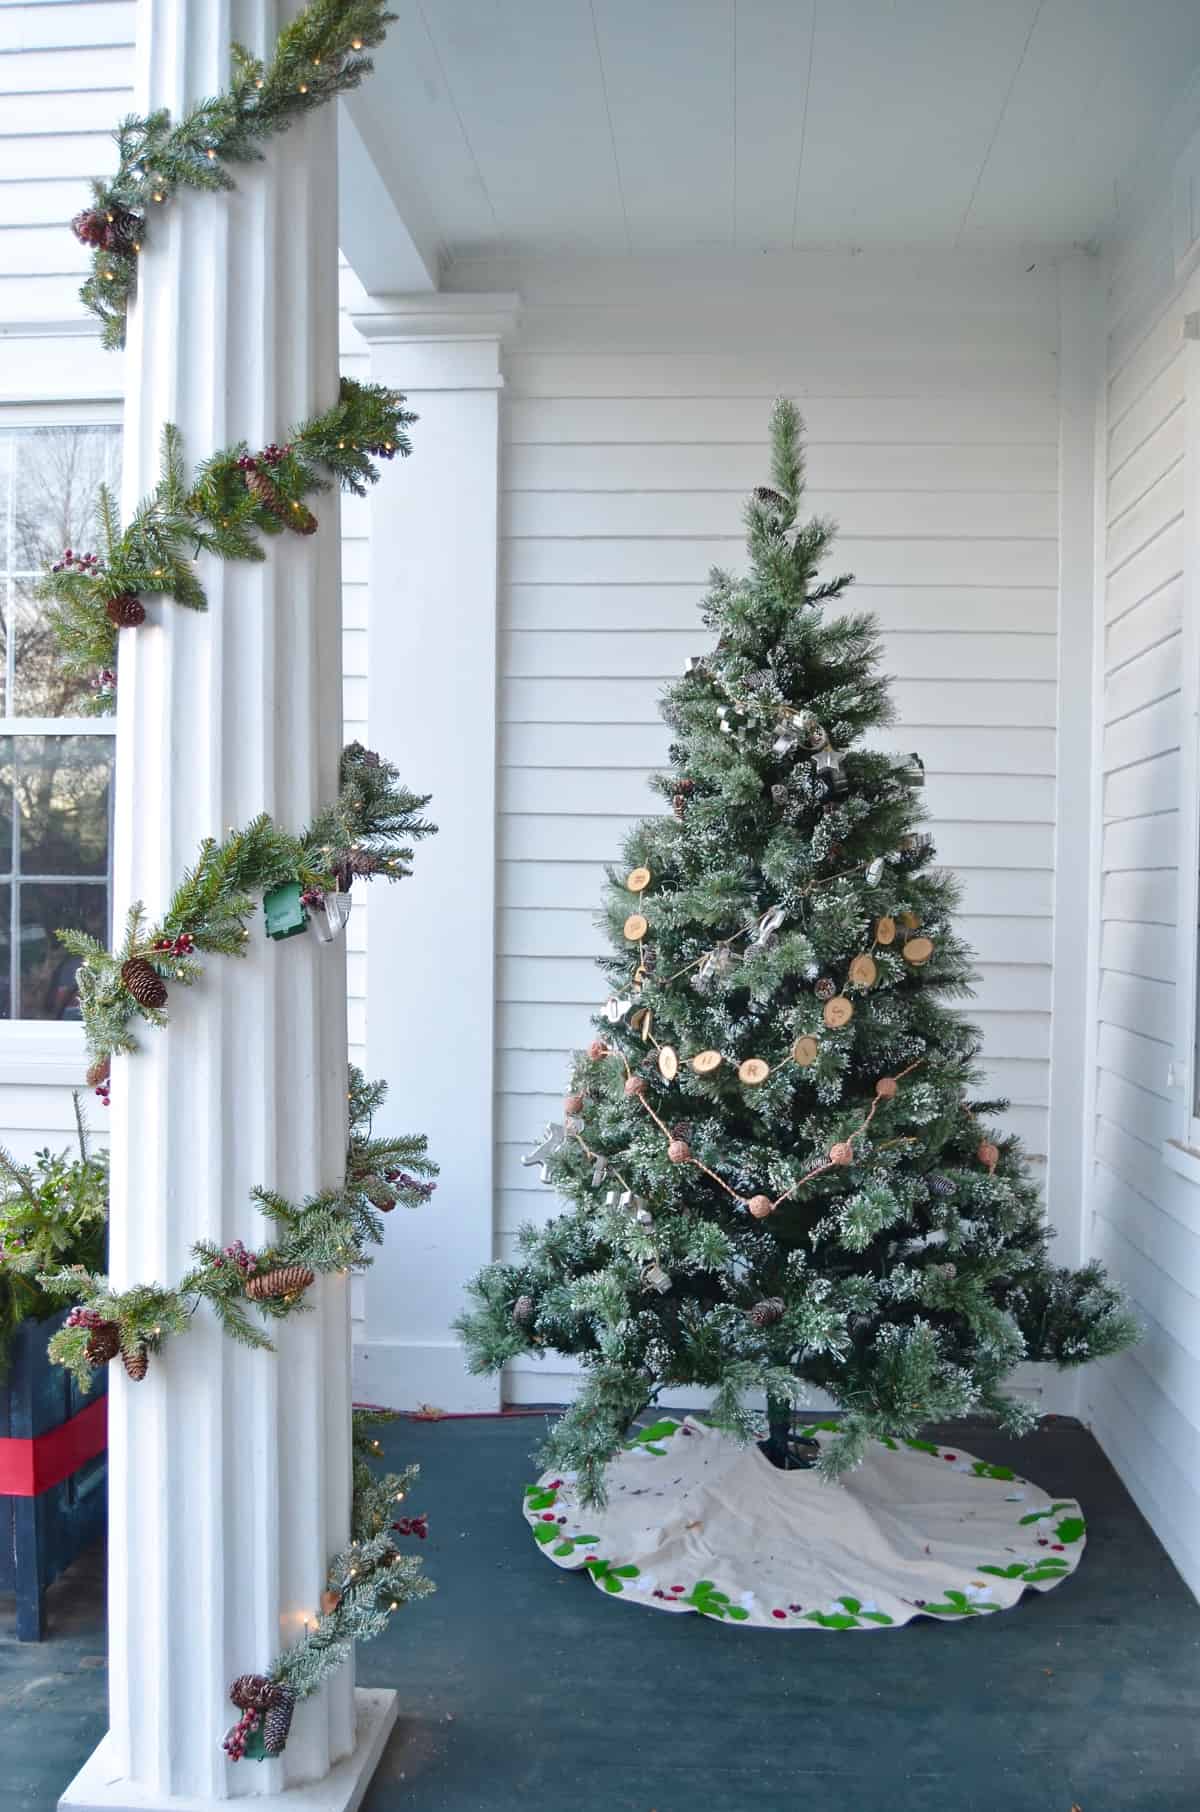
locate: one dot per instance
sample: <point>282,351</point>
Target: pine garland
<point>330,1231</point>
<point>318,56</point>
<point>222,508</point>
<point>365,833</point>
<point>367,1583</point>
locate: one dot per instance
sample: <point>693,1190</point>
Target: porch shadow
<point>521,1686</point>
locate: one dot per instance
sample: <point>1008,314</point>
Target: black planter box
<point>58,1501</point>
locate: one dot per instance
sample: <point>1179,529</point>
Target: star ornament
<point>551,1145</point>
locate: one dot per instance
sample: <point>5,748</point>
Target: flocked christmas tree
<point>782,1174</point>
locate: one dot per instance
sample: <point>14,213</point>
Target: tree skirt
<point>698,1522</point>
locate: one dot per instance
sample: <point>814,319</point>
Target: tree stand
<point>783,1447</point>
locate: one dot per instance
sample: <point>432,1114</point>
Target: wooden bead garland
<point>760,1206</point>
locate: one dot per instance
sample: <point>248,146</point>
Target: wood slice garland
<point>638,880</point>
<point>909,920</point>
<point>705,1062</point>
<point>837,1012</point>
<point>668,1063</point>
<point>885,930</point>
<point>804,1051</point>
<point>753,1071</point>
<point>640,1020</point>
<point>636,927</point>
<point>863,971</point>
<point>842,1152</point>
<point>917,951</point>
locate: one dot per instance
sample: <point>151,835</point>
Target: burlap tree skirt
<point>697,1522</point>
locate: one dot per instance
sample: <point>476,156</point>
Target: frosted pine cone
<point>278,1720</point>
<point>766,1313</point>
<point>523,1311</point>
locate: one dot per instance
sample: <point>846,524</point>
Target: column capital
<point>443,341</point>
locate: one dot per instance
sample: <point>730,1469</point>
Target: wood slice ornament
<point>909,921</point>
<point>917,951</point>
<point>705,1062</point>
<point>668,1063</point>
<point>837,1012</point>
<point>863,971</point>
<point>885,930</point>
<point>638,880</point>
<point>636,927</point>
<point>804,1051</point>
<point>753,1071</point>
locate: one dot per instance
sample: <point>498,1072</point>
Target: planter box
<point>52,1471</point>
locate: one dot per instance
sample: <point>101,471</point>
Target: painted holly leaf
<point>921,1446</point>
<point>877,1617</point>
<point>544,1533</point>
<point>538,1497</point>
<point>982,1470</point>
<point>1015,1571</point>
<point>1044,1571</point>
<point>738,1613</point>
<point>832,1620</point>
<point>1035,1516</point>
<point>610,1577</point>
<point>1070,1528</point>
<point>705,1597</point>
<point>648,1437</point>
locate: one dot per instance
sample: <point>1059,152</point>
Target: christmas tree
<point>781,1174</point>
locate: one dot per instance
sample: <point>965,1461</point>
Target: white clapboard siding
<point>1145,1405</point>
<point>66,71</point>
<point>630,435</point>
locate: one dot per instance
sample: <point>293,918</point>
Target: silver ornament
<point>615,1010</point>
<point>655,1278</point>
<point>874,873</point>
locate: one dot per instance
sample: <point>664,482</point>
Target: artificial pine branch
<point>317,57</point>
<point>212,511</point>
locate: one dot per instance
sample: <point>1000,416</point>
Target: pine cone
<point>523,1311</point>
<point>253,1692</point>
<point>98,1072</point>
<point>104,1343</point>
<point>941,1187</point>
<point>284,1280</point>
<point>765,494</point>
<point>766,1313</point>
<point>136,1364</point>
<point>266,493</point>
<point>126,610</point>
<point>144,982</point>
<point>278,1720</point>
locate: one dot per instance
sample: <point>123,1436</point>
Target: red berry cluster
<point>417,1525</point>
<point>103,1091</point>
<point>246,1262</point>
<point>183,945</point>
<point>113,229</point>
<point>312,896</point>
<point>71,562</point>
<point>85,1318</point>
<point>105,680</point>
<point>273,455</point>
<point>403,1180</point>
<point>234,1743</point>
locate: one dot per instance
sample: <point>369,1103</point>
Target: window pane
<point>6,447</point>
<point>47,979</point>
<point>41,687</point>
<point>5,950</point>
<point>61,789</point>
<point>56,475</point>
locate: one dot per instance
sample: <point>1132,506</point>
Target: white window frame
<point>38,1051</point>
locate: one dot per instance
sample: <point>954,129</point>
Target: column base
<point>96,1788</point>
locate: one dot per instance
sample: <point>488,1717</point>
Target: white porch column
<point>432,710</point>
<point>228,1469</point>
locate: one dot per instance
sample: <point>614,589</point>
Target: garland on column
<point>365,833</point>
<point>326,1233</point>
<point>316,57</point>
<point>220,509</point>
<point>367,1582</point>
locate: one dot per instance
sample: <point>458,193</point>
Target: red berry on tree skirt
<point>760,1206</point>
<point>679,1151</point>
<point>573,1104</point>
<point>597,1049</point>
<point>126,610</point>
<point>842,1152</point>
<point>635,1085</point>
<point>886,1087</point>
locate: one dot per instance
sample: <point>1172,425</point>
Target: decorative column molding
<point>431,706</point>
<point>229,1470</point>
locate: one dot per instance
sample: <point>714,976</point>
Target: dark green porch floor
<point>522,1686</point>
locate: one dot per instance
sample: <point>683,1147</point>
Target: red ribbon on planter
<point>30,1466</point>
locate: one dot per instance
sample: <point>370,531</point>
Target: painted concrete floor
<point>522,1686</point>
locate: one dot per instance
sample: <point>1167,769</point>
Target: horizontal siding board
<point>965,703</point>
<point>1140,897</point>
<point>1141,843</point>
<point>1153,565</point>
<point>1149,676</point>
<point>955,515</point>
<point>79,26</point>
<point>913,609</point>
<point>1134,1058</point>
<point>1147,624</point>
<point>1014,420</point>
<point>736,468</point>
<point>1161,506</point>
<point>1152,730</point>
<point>1144,1007</point>
<point>1147,464</point>
<point>689,560</point>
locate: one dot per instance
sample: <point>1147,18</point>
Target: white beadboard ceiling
<point>663,125</point>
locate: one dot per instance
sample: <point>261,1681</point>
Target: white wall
<point>1145,1406</point>
<point>634,420</point>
